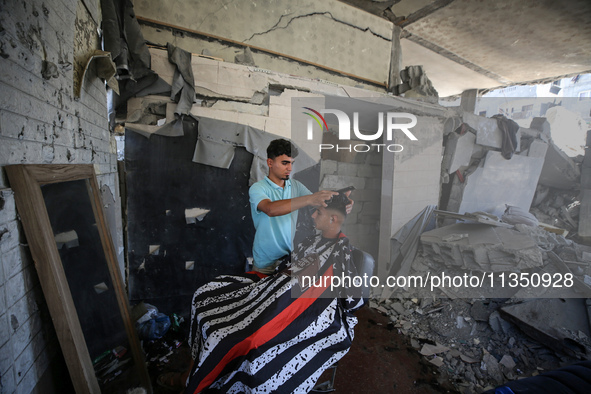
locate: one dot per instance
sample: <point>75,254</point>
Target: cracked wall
<point>331,34</point>
<point>41,122</point>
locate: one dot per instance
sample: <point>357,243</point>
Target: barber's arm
<point>283,207</point>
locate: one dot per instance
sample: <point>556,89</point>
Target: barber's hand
<point>349,206</point>
<point>318,199</point>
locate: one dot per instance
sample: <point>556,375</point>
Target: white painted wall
<point>41,122</point>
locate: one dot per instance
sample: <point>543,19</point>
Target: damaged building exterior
<point>175,130</point>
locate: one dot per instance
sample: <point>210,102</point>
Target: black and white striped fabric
<point>262,335</point>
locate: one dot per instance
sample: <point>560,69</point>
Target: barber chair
<point>365,264</point>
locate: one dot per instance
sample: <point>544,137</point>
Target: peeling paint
<point>85,42</point>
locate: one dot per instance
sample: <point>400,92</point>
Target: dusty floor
<point>383,361</point>
<point>380,361</point>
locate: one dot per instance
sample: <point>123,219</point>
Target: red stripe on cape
<point>267,331</point>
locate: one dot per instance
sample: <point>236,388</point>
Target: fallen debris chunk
<point>552,322</point>
<point>437,361</point>
<point>429,350</point>
<point>553,229</point>
<point>491,365</point>
<point>507,362</point>
<point>468,359</point>
<point>486,248</point>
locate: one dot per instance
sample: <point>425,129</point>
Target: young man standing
<point>274,202</point>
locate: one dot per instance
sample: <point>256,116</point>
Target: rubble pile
<point>477,338</point>
<point>471,342</point>
<point>557,207</point>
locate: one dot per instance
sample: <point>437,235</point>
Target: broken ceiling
<point>496,43</point>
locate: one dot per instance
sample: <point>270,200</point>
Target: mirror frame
<point>26,181</point>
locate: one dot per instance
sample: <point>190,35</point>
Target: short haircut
<point>338,203</point>
<point>281,147</point>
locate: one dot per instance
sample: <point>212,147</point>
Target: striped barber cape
<point>262,335</point>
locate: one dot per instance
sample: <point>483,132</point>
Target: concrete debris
<point>468,360</point>
<point>474,217</point>
<point>507,362</point>
<point>554,322</point>
<point>491,366</point>
<point>516,215</point>
<point>415,84</point>
<point>497,323</point>
<point>485,248</point>
<point>430,350</point>
<point>488,133</point>
<point>558,208</point>
<point>437,361</point>
<point>490,350</point>
<point>559,170</point>
<point>496,181</point>
<point>458,152</point>
<point>479,176</point>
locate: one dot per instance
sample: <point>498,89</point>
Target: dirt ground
<point>382,361</point>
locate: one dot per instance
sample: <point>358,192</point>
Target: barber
<point>274,204</point>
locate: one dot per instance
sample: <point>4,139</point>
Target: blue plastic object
<point>155,327</point>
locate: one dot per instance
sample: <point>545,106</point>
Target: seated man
<point>249,333</point>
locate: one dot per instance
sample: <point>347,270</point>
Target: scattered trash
<point>152,325</point>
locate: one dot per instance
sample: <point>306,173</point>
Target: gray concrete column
<point>395,60</point>
<point>468,102</point>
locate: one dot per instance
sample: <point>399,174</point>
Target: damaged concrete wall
<point>410,179</point>
<point>273,102</point>
<point>41,122</point>
<point>241,94</point>
<point>483,178</point>
<point>330,34</point>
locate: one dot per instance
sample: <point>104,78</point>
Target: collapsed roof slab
<point>501,182</point>
<point>481,247</point>
<point>552,322</point>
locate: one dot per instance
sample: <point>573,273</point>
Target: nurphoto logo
<point>393,120</point>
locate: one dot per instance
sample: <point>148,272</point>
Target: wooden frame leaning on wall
<point>27,181</point>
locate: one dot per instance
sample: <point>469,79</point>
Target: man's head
<point>281,147</point>
<point>330,219</point>
<point>280,158</point>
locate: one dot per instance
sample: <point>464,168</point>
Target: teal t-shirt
<point>274,235</point>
